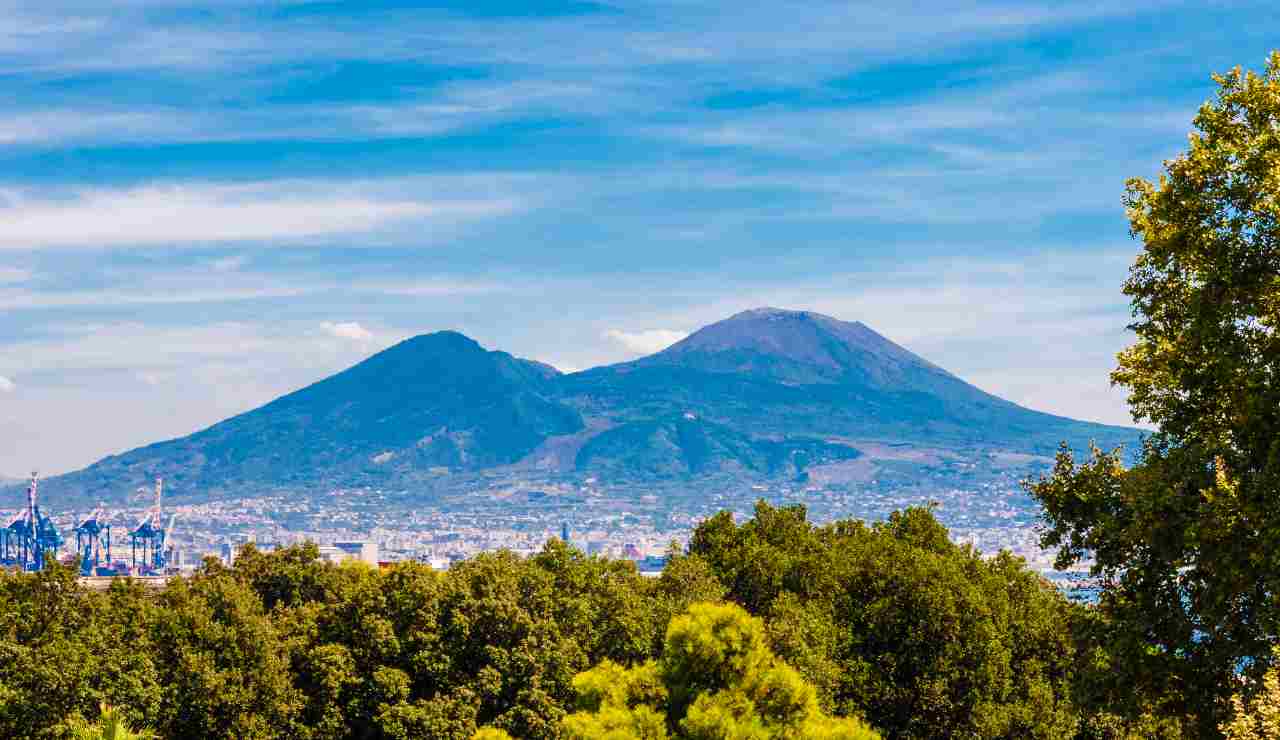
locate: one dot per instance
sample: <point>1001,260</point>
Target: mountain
<point>434,401</point>
<point>763,394</point>
<point>800,348</point>
<point>784,373</point>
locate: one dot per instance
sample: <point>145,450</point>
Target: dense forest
<point>775,627</point>
<point>889,623</point>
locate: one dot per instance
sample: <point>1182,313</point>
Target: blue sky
<point>203,207</point>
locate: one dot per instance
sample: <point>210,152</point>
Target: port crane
<point>93,543</point>
<point>31,536</point>
<point>169,553</point>
<point>147,539</point>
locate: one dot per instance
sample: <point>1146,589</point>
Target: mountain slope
<point>686,445</point>
<point>437,400</point>
<point>784,373</point>
<point>765,393</point>
<point>802,347</point>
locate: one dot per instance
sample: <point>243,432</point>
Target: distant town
<point>159,537</point>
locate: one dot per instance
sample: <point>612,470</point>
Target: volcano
<point>764,393</point>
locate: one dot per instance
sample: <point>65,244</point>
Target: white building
<point>365,552</point>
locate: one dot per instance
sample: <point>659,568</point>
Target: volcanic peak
<point>800,347</point>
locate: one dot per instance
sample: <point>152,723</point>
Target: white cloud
<point>122,35</point>
<point>153,378</point>
<point>825,132</point>
<point>434,286</point>
<point>347,330</point>
<point>6,385</point>
<point>73,125</point>
<point>411,117</point>
<point>645,342</point>
<point>186,287</point>
<point>10,275</point>
<point>92,346</point>
<point>141,296</point>
<point>204,213</point>
<point>229,264</point>
<point>129,399</point>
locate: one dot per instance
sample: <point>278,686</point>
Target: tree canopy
<point>796,627</point>
<point>1256,715</point>
<point>717,679</point>
<point>111,725</point>
<point>1186,543</point>
<point>894,622</point>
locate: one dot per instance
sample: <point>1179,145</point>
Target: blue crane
<point>93,544</point>
<point>31,536</point>
<point>148,537</point>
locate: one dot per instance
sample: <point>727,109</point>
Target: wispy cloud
<point>427,286</point>
<point>170,349</point>
<point>187,287</point>
<point>211,213</point>
<point>431,168</point>
<point>646,341</point>
<point>828,131</point>
<point>230,263</point>
<point>148,294</point>
<point>10,275</point>
<point>153,378</point>
<point>126,36</point>
<point>452,107</point>
<point>161,290</point>
<point>68,126</point>
<point>148,382</point>
<point>347,330</point>
<point>6,385</point>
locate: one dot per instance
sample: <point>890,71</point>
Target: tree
<point>1257,717</point>
<point>716,680</point>
<point>223,666</point>
<point>895,623</point>
<point>1186,543</point>
<point>66,651</point>
<point>111,725</point>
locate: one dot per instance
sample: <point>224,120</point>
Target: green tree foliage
<point>717,679</point>
<point>285,645</point>
<point>111,725</point>
<point>223,665</point>
<point>890,622</point>
<point>1187,542</point>
<point>895,623</point>
<point>1256,716</point>
<point>64,652</point>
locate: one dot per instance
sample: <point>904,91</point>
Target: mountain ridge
<point>815,347</point>
<point>764,393</point>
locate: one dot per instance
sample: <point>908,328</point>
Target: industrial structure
<point>147,540</point>
<point>93,545</point>
<point>31,536</point>
<point>31,539</point>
